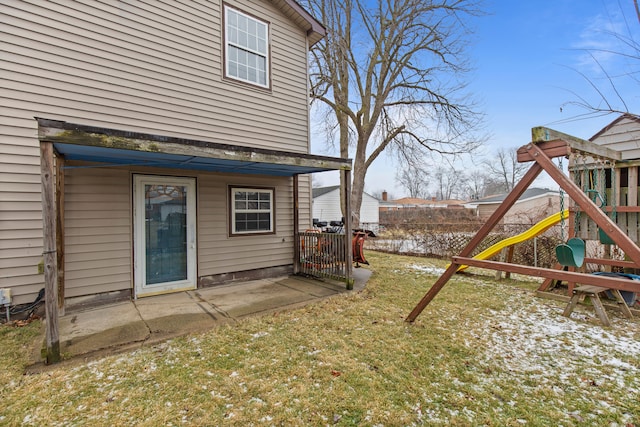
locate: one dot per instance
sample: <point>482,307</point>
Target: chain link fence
<point>441,240</point>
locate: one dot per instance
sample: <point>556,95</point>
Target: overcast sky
<point>528,56</point>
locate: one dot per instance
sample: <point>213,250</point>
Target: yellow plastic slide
<point>537,229</point>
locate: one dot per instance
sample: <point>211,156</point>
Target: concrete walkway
<point>111,328</point>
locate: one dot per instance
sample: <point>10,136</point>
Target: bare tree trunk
<point>344,153</point>
<point>357,189</point>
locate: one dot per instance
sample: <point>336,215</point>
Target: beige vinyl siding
<point>220,253</point>
<point>98,227</point>
<point>97,231</point>
<point>144,66</point>
<point>20,214</point>
<point>305,201</point>
<point>136,68</point>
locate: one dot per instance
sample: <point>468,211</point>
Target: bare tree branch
<point>506,169</point>
<point>391,73</point>
<point>610,98</point>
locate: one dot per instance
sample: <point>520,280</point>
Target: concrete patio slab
<point>108,329</point>
<point>99,328</point>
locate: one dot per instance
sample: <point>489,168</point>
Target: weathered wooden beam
<point>543,134</point>
<point>47,176</point>
<point>497,215</point>
<point>567,276</point>
<point>296,224</point>
<point>69,133</point>
<point>60,231</point>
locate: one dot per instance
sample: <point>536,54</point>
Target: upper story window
<point>247,48</point>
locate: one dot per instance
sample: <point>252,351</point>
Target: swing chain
<point>579,179</point>
<point>614,213</point>
<point>561,203</point>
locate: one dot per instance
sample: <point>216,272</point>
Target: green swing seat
<point>604,238</point>
<point>571,254</point>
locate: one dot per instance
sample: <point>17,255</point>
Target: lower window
<point>252,210</point>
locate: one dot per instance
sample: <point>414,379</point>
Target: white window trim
<point>272,210</point>
<point>227,43</point>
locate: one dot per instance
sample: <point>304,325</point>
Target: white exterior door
<point>164,234</point>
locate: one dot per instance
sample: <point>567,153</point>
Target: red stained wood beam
<point>567,276</point>
<point>509,201</point>
<point>611,262</point>
<point>557,148</point>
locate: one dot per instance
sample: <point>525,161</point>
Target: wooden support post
<point>296,225</point>
<point>348,251</point>
<point>573,302</point>
<point>494,219</point>
<point>597,305</point>
<point>502,257</point>
<point>622,304</point>
<point>592,292</point>
<point>510,251</point>
<point>60,231</point>
<point>49,252</point>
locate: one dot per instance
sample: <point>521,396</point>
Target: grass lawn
<point>483,353</point>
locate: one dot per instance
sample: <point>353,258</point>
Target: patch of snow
<point>436,271</point>
<point>260,334</point>
<point>536,344</point>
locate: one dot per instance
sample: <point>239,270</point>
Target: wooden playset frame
<point>546,145</point>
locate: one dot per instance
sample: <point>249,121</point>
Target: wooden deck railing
<point>323,255</point>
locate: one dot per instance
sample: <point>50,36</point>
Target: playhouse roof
<point>621,135</point>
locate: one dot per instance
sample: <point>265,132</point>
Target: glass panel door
<point>164,234</point>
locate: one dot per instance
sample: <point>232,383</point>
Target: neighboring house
<point>534,205</point>
<point>326,206</point>
<point>179,133</point>
<point>417,203</point>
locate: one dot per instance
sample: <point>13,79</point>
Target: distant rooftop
<point>317,192</point>
<point>528,194</point>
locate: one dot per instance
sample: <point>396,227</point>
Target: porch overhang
<point>119,148</point>
<point>103,147</point>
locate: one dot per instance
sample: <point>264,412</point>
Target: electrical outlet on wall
<point>5,296</point>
